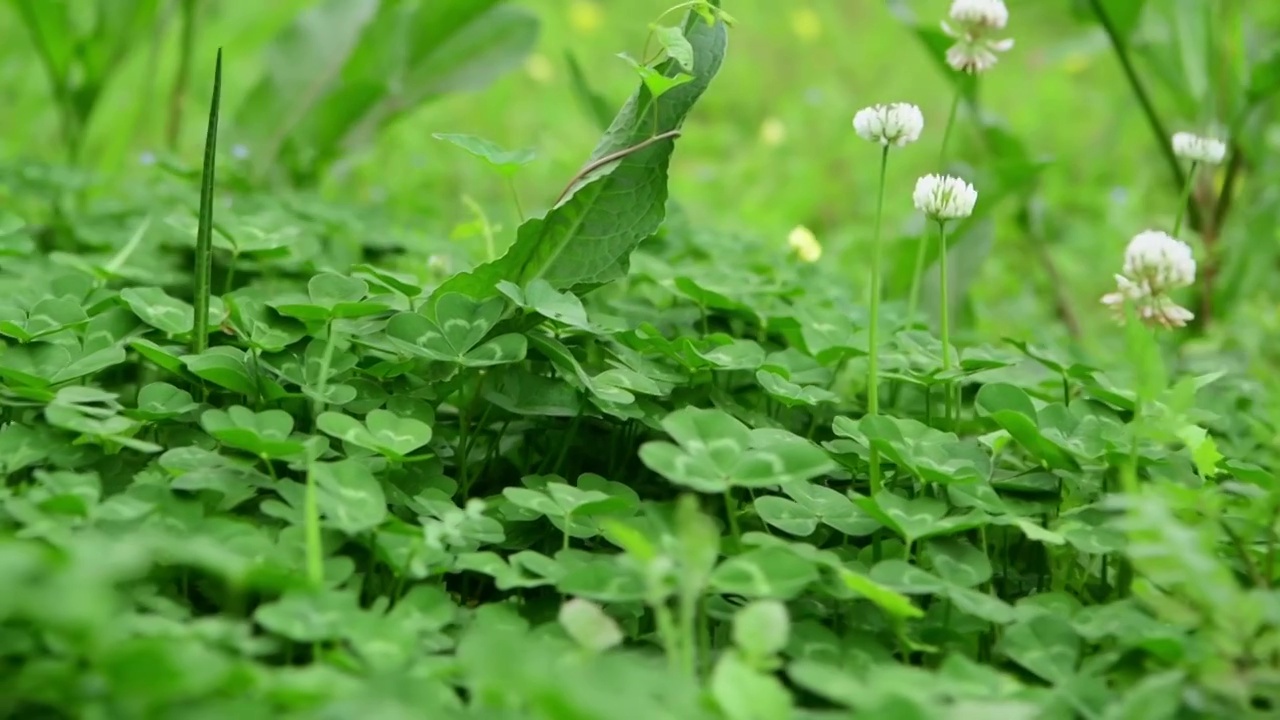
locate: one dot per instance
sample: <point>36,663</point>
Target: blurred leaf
<point>596,107</point>
<point>506,162</point>
<point>345,70</point>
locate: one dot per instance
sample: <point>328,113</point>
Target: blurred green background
<point>770,147</point>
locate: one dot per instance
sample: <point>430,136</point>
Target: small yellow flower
<point>539,68</point>
<point>773,132</point>
<point>805,244</point>
<point>806,24</point>
<point>585,16</point>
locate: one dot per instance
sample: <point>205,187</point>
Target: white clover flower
<point>1155,264</point>
<point>1159,262</point>
<point>1195,148</point>
<point>893,124</point>
<point>805,244</point>
<point>974,50</point>
<point>980,14</point>
<point>943,197</point>
<point>978,56</point>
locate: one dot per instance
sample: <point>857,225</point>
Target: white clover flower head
<point>980,14</point>
<point>1196,148</point>
<point>975,51</point>
<point>976,56</point>
<point>805,244</point>
<point>943,197</point>
<point>1159,262</point>
<point>892,124</point>
<point>1155,264</point>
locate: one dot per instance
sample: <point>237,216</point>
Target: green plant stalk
<point>204,230</point>
<point>689,631</point>
<point>1144,98</point>
<point>731,513</point>
<point>311,531</point>
<point>873,360</point>
<point>668,634</point>
<point>1185,198</point>
<point>515,199</point>
<point>944,314</point>
<point>69,118</point>
<point>913,297</point>
<point>326,362</point>
<point>186,49</point>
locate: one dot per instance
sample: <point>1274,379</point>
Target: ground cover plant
<point>271,449</point>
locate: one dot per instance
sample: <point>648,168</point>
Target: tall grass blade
<point>204,231</point>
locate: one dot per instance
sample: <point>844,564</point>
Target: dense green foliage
<point>266,455</point>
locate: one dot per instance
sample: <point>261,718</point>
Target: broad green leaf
<point>714,452</point>
<point>959,562</point>
<point>160,400</point>
<point>744,693</point>
<point>761,629</point>
<point>832,508</point>
<point>589,625</point>
<point>1012,409</point>
<point>657,82</point>
<point>1044,645</point>
<point>786,515</point>
<point>371,63</point>
<point>266,433</point>
<point>596,107</point>
<point>309,616</point>
<point>301,66</point>
<point>586,240</point>
<point>350,497</point>
<point>506,162</point>
<point>676,45</point>
<point>888,600</point>
<point>768,572</point>
<point>225,367</point>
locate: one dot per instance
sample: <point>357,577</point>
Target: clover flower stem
<point>946,132</point>
<point>688,624</point>
<point>1184,199</point>
<point>515,198</point>
<point>873,349</point>
<point>944,314</point>
<point>311,531</point>
<point>326,363</point>
<point>913,296</point>
<point>731,512</point>
<point>667,633</point>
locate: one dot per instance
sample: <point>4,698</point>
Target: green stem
<point>731,512</point>
<point>326,363</point>
<point>515,198</point>
<point>946,132</point>
<point>1144,98</point>
<point>311,531</point>
<point>873,361</point>
<point>944,311</point>
<point>668,633</point>
<point>186,47</point>
<point>1185,198</point>
<point>913,298</point>
<point>688,621</point>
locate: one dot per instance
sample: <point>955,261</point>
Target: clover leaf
<point>713,452</point>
